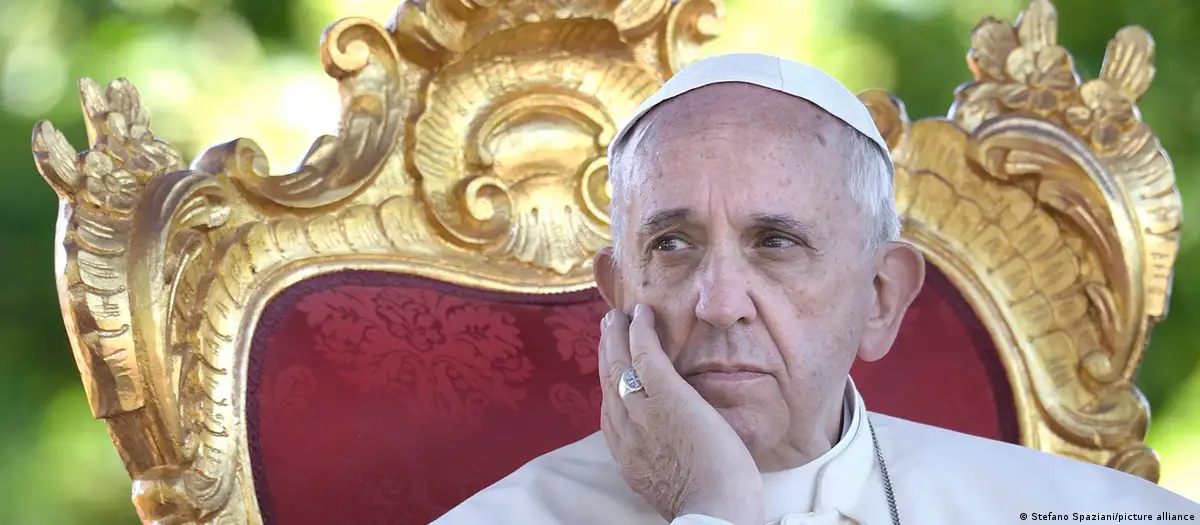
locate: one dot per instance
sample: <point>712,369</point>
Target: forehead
<point>733,102</point>
<point>747,149</point>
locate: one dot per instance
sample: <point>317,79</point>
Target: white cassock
<point>939,477</point>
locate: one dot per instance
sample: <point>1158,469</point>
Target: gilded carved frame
<point>1047,201</point>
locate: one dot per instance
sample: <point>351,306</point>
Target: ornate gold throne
<point>408,316</point>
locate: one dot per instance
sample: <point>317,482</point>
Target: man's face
<point>743,238</point>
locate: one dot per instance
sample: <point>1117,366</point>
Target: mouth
<point>725,373</point>
<point>726,377</point>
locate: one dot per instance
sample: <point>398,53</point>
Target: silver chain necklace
<point>887,481</point>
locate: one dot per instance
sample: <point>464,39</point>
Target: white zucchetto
<point>778,74</point>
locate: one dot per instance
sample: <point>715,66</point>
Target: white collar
<point>833,481</point>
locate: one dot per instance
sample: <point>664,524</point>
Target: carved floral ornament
<point>471,150</point>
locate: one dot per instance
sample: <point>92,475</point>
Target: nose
<point>724,291</point>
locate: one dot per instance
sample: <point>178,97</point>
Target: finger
<point>614,416</point>
<point>613,358</point>
<point>614,421</point>
<point>614,340</point>
<point>647,355</point>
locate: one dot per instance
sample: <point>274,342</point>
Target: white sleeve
<point>698,519</point>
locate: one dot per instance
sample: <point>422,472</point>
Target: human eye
<point>776,242</point>
<point>669,243</point>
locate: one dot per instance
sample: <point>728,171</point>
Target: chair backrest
<point>409,315</point>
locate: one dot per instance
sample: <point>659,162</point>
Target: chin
<point>757,430</point>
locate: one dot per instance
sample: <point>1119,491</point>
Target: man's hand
<point>672,447</point>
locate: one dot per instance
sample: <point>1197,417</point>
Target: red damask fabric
<point>943,369</point>
<point>377,398</point>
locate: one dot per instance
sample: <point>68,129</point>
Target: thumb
<point>647,356</point>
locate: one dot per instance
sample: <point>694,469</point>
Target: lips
<point>724,371</point>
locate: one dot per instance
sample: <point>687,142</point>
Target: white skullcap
<point>778,74</point>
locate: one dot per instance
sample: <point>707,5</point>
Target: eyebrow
<point>775,221</point>
<point>659,219</point>
<point>782,222</point>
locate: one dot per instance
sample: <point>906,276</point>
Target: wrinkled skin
<point>667,434</point>
<point>744,242</point>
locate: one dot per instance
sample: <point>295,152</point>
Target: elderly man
<point>755,256</point>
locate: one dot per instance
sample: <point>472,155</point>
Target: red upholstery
<point>943,369</point>
<point>383,399</point>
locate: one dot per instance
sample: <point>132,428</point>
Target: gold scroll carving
<point>472,150</point>
<point>1054,209</point>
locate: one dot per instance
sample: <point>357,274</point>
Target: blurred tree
<point>931,49</point>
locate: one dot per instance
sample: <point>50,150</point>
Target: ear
<point>608,278</point>
<point>899,275</point>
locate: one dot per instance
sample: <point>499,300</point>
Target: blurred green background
<point>212,70</point>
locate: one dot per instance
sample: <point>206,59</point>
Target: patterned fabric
<point>376,398</point>
<point>943,370</point>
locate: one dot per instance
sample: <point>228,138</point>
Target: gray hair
<point>870,181</point>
